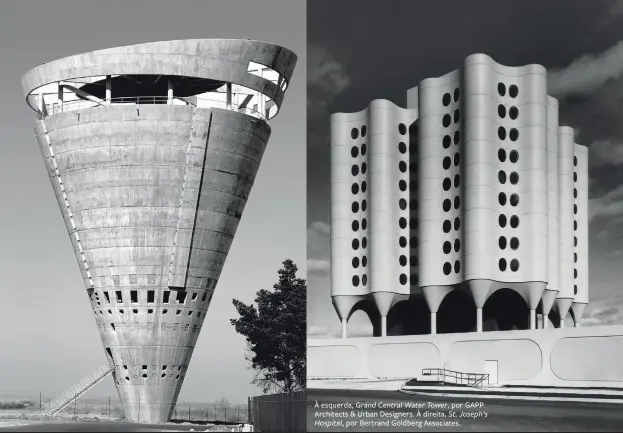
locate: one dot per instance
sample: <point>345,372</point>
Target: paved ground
<point>46,426</point>
<point>494,415</point>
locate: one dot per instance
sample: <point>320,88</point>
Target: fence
<point>277,413</point>
<point>216,412</point>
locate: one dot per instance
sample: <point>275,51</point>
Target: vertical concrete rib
<point>192,236</point>
<point>179,255</point>
<point>566,208</point>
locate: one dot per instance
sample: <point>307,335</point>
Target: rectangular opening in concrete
<point>199,281</point>
<point>164,367</point>
<point>194,295</point>
<point>133,296</point>
<point>205,295</point>
<point>181,296</point>
<point>144,367</point>
<point>119,296</point>
<point>151,295</point>
<point>186,327</point>
<point>165,297</point>
<point>107,297</point>
<point>90,293</point>
<point>113,326</point>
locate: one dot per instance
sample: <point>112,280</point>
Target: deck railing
<point>81,104</point>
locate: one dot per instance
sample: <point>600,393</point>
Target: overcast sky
<point>360,50</point>
<point>48,336</point>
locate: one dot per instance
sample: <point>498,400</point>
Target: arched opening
<point>363,315</point>
<point>409,317</point>
<point>554,317</point>
<point>457,313</point>
<point>505,310</point>
<point>571,319</point>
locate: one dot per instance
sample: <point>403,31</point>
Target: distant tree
<point>275,332</point>
<point>223,405</point>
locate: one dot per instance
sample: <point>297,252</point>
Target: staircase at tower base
<point>65,398</point>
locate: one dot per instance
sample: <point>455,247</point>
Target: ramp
<point>61,401</point>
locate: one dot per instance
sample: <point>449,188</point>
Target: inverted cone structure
<point>152,151</point>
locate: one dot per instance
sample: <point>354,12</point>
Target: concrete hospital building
<point>471,203</point>
<point>459,225</point>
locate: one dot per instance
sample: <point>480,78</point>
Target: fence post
<point>39,401</point>
<point>249,419</point>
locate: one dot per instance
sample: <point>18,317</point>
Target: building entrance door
<point>491,368</point>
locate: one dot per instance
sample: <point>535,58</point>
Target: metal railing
<point>76,390</point>
<point>276,413</point>
<point>457,377</point>
<point>199,102</point>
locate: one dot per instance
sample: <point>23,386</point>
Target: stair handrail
<point>473,379</point>
<point>74,391</point>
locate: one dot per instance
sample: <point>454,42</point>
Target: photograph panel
<point>173,138</point>
<point>464,215</point>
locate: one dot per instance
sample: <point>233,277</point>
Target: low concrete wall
<point>572,357</point>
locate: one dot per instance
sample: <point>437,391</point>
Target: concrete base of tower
<point>148,404</point>
<point>567,357</point>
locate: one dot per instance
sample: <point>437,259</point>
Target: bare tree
<point>223,405</point>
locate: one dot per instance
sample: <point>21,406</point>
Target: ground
<point>17,422</point>
<point>501,415</point>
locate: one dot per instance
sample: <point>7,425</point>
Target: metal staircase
<point>61,401</point>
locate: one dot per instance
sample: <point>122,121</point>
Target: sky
<point>48,335</point>
<point>361,50</point>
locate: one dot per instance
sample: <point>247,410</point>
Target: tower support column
<point>344,322</point>
<point>478,319</point>
<point>433,323</point>
<point>383,326</point>
<point>108,89</point>
<point>169,92</point>
<point>532,319</point>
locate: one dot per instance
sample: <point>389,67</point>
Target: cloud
<point>326,78</point>
<point>605,152</point>
<point>319,241</point>
<point>607,311</point>
<point>616,10</point>
<point>317,331</point>
<point>587,73</point>
<point>610,204</point>
<point>320,267</point>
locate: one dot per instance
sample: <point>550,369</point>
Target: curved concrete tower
<point>152,150</point>
<point>473,191</point>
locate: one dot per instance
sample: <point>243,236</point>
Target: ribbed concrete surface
<point>125,172</point>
